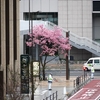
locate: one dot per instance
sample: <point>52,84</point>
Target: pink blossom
<point>29,44</point>
<point>50,41</point>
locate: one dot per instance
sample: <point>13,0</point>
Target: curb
<point>65,69</point>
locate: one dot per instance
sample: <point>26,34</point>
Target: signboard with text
<point>36,68</point>
<point>24,73</point>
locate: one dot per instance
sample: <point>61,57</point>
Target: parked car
<point>95,62</point>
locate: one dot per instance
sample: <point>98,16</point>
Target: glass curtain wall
<point>50,16</point>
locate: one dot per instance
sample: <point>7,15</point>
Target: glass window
<point>90,62</point>
<point>45,16</point>
<point>96,5</point>
<point>96,61</point>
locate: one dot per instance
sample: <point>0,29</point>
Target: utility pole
<point>29,16</point>
<point>67,60</point>
<point>32,80</point>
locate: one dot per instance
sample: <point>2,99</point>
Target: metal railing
<point>75,40</point>
<point>84,79</point>
<point>79,42</point>
<point>80,80</point>
<point>52,96</point>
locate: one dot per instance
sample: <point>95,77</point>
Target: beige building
<point>9,36</point>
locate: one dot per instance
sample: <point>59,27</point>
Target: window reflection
<point>45,16</point>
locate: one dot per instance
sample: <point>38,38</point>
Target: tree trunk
<point>43,64</point>
<point>43,72</point>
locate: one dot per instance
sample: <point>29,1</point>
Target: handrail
<point>75,40</point>
<point>81,41</point>
<point>52,96</point>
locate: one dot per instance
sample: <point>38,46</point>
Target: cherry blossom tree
<point>50,42</point>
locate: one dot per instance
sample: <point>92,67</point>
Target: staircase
<point>79,42</point>
<point>75,40</point>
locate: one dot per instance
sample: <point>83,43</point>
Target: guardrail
<point>79,82</point>
<point>77,40</point>
<point>80,79</point>
<point>52,96</point>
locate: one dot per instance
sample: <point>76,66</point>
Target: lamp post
<point>67,61</point>
<point>32,76</point>
<point>29,16</point>
<point>32,80</point>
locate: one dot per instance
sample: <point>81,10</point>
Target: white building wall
<point>38,5</point>
<point>76,16</point>
<point>73,15</point>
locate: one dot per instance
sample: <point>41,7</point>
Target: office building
<point>9,38</point>
<point>80,17</point>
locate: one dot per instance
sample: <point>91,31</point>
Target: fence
<point>79,82</point>
<point>80,79</point>
<point>52,96</point>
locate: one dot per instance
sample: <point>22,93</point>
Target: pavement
<point>61,85</point>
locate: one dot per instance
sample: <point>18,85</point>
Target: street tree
<point>50,42</point>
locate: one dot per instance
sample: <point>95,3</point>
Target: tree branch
<point>41,61</point>
<point>45,59</point>
<point>51,59</point>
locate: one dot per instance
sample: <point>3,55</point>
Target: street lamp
<point>29,16</point>
<point>67,61</point>
<point>32,80</point>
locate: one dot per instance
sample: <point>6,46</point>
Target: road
<point>91,91</point>
<point>72,72</point>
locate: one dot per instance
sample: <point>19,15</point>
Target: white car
<point>95,62</point>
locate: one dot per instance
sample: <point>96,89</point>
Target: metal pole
<point>32,76</point>
<point>37,52</point>
<point>67,61</point>
<point>32,80</point>
<point>84,75</point>
<point>56,95</point>
<point>29,16</point>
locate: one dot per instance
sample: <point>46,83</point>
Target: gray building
<point>9,40</point>
<point>80,17</point>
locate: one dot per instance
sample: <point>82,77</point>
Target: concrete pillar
<point>3,43</point>
<point>17,65</point>
<point>10,21</point>
<point>11,66</point>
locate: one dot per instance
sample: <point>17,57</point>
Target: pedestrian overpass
<point>75,40</point>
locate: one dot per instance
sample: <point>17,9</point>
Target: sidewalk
<point>62,86</point>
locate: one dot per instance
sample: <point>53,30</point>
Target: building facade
<point>79,16</point>
<point>9,37</point>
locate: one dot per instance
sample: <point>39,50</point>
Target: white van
<point>95,62</point>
